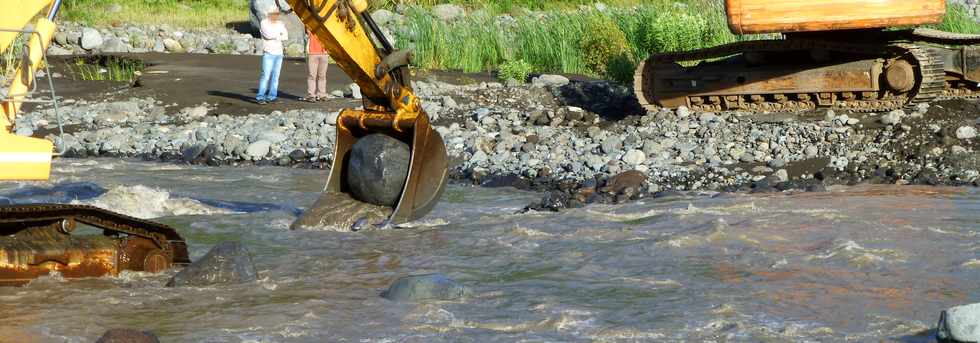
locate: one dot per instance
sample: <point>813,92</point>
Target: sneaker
<point>260,101</point>
<point>309,99</point>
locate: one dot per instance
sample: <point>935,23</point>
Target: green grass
<point>604,44</point>
<point>959,20</point>
<point>185,14</point>
<point>104,68</point>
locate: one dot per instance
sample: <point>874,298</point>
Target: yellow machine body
<point>23,158</point>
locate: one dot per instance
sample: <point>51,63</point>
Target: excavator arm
<point>361,50</point>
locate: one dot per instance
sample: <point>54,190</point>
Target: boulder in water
<point>378,169</point>
<point>127,336</point>
<point>425,287</point>
<point>959,324</point>
<point>227,263</point>
<point>339,212</point>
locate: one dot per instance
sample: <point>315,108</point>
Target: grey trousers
<point>316,80</point>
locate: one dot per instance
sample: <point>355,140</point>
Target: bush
<point>601,42</point>
<point>515,69</point>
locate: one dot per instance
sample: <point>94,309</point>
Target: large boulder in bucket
<point>378,169</point>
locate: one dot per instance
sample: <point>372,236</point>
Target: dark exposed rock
<point>226,263</point>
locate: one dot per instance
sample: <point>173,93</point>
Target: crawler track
<point>37,239</point>
<point>928,66</point>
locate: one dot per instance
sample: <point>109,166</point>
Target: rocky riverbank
<point>567,137</point>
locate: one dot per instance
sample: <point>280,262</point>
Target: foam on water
<point>145,202</point>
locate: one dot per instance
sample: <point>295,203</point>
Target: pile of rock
<point>559,130</point>
<point>72,38</point>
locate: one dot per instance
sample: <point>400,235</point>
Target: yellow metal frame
<point>23,158</point>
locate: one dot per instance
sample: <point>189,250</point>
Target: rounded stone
<point>425,287</point>
<point>378,169</point>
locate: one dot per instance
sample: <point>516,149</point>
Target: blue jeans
<point>269,82</point>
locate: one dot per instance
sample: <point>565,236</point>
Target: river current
<point>864,263</point>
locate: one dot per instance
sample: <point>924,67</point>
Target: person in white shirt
<point>273,33</point>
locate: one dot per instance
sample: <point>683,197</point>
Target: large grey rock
<point>258,150</point>
<point>171,45</point>
<point>448,12</point>
<point>114,45</point>
<point>550,81</point>
<point>382,17</point>
<point>966,132</point>
<point>959,324</point>
<point>227,263</point>
<point>91,38</point>
<point>425,287</point>
<point>257,12</point>
<point>55,50</point>
<point>127,336</point>
<point>378,169</point>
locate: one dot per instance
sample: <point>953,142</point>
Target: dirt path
<point>226,82</point>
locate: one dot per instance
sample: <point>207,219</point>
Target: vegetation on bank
<point>606,43</point>
<point>176,13</point>
<point>538,36</point>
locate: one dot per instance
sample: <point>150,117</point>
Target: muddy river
<point>853,264</point>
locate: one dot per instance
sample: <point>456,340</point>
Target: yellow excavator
<point>37,239</point>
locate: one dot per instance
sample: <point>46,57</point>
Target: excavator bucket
<point>428,169</point>
<point>24,158</point>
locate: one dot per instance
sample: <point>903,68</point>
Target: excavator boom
<point>391,108</point>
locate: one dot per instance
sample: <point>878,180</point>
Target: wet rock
<point>959,324</point>
<point>425,287</point>
<point>548,80</point>
<point>227,263</point>
<point>127,336</point>
<point>448,12</point>
<point>619,184</point>
<point>91,39</point>
<point>340,212</point>
<point>192,152</point>
<point>378,169</point>
<point>966,132</point>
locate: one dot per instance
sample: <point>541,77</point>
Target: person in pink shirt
<point>317,63</point>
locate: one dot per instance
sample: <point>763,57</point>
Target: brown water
<point>854,264</point>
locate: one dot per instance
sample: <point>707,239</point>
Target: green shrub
<point>515,69</point>
<point>602,41</point>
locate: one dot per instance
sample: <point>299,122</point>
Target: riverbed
<point>858,263</point>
